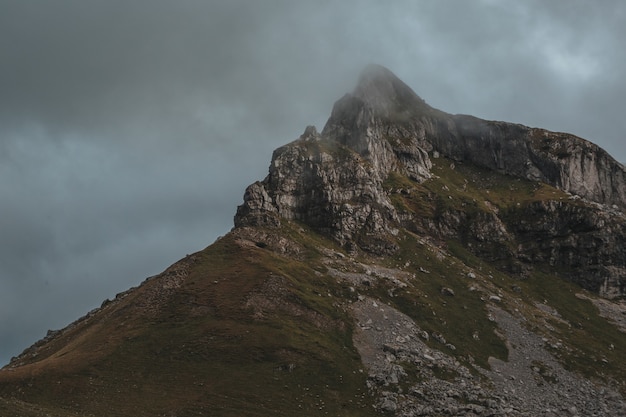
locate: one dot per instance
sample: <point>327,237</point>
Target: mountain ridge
<point>376,269</point>
<point>343,195</point>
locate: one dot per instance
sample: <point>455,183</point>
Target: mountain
<point>404,261</point>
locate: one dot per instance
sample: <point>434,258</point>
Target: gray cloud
<point>129,129</point>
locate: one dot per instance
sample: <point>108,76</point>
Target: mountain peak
<point>384,92</point>
<point>374,73</point>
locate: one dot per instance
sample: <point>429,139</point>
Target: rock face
<point>329,187</point>
<point>565,161</point>
<point>335,182</point>
<point>587,241</point>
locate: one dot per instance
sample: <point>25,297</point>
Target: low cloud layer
<point>129,129</point>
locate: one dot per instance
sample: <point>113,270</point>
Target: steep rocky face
<point>586,241</point>
<point>333,181</point>
<point>565,161</point>
<point>327,186</point>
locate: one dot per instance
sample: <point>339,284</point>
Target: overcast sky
<point>130,129</point>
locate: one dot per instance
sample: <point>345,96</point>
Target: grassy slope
<point>204,352</point>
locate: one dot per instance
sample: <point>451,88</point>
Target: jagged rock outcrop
<point>333,181</point>
<point>330,187</point>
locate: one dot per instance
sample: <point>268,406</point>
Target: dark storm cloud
<point>129,129</point>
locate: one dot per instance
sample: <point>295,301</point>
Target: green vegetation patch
<point>459,317</point>
<point>209,349</point>
<point>591,345</point>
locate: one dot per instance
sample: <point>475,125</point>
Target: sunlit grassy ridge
<point>205,351</point>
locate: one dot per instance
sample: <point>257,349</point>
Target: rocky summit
<point>403,261</point>
<point>381,141</point>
